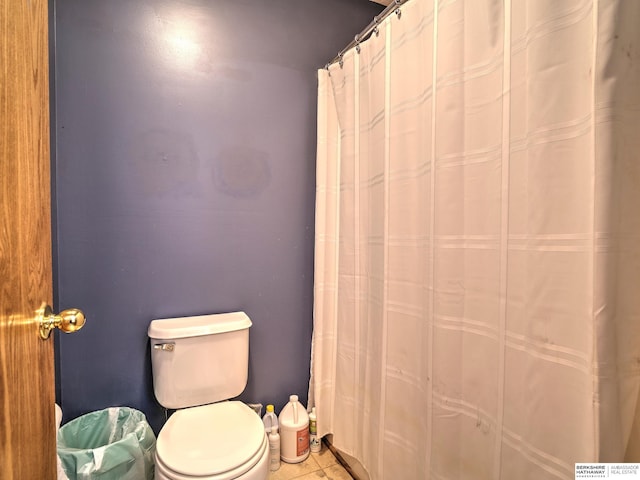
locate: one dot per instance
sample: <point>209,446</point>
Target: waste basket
<point>116,443</point>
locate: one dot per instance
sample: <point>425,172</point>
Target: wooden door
<point>27,426</point>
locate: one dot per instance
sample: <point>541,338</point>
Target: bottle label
<point>302,442</point>
<point>314,442</point>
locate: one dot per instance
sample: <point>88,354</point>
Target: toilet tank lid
<point>182,327</point>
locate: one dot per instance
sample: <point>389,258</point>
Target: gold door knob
<point>69,321</point>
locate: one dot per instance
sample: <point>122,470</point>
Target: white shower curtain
<point>477,272</point>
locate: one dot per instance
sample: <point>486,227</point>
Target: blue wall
<point>185,178</point>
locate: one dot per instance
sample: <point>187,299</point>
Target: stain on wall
<point>185,182</point>
<point>241,171</point>
<point>170,156</point>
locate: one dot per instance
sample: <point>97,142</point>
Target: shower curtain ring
<point>357,40</point>
<point>376,21</point>
<point>398,11</point>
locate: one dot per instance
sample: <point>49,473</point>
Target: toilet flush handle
<point>168,347</point>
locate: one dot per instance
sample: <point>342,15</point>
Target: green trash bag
<point>112,444</point>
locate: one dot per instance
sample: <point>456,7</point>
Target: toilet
<point>198,364</point>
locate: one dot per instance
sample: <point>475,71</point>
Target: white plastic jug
<point>294,432</point>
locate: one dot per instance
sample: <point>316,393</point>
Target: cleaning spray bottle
<point>314,441</point>
<point>274,449</point>
<point>270,419</point>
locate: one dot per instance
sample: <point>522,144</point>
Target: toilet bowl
<point>199,364</point>
<point>58,416</point>
<point>220,441</point>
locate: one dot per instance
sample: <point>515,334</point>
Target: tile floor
<point>317,466</point>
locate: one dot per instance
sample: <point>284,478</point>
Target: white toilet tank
<point>199,360</point>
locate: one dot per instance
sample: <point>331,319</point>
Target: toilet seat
<point>220,441</point>
<point>259,471</point>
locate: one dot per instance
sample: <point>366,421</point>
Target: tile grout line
<point>331,455</point>
<point>339,459</point>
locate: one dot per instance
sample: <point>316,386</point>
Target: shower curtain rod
<point>369,29</point>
